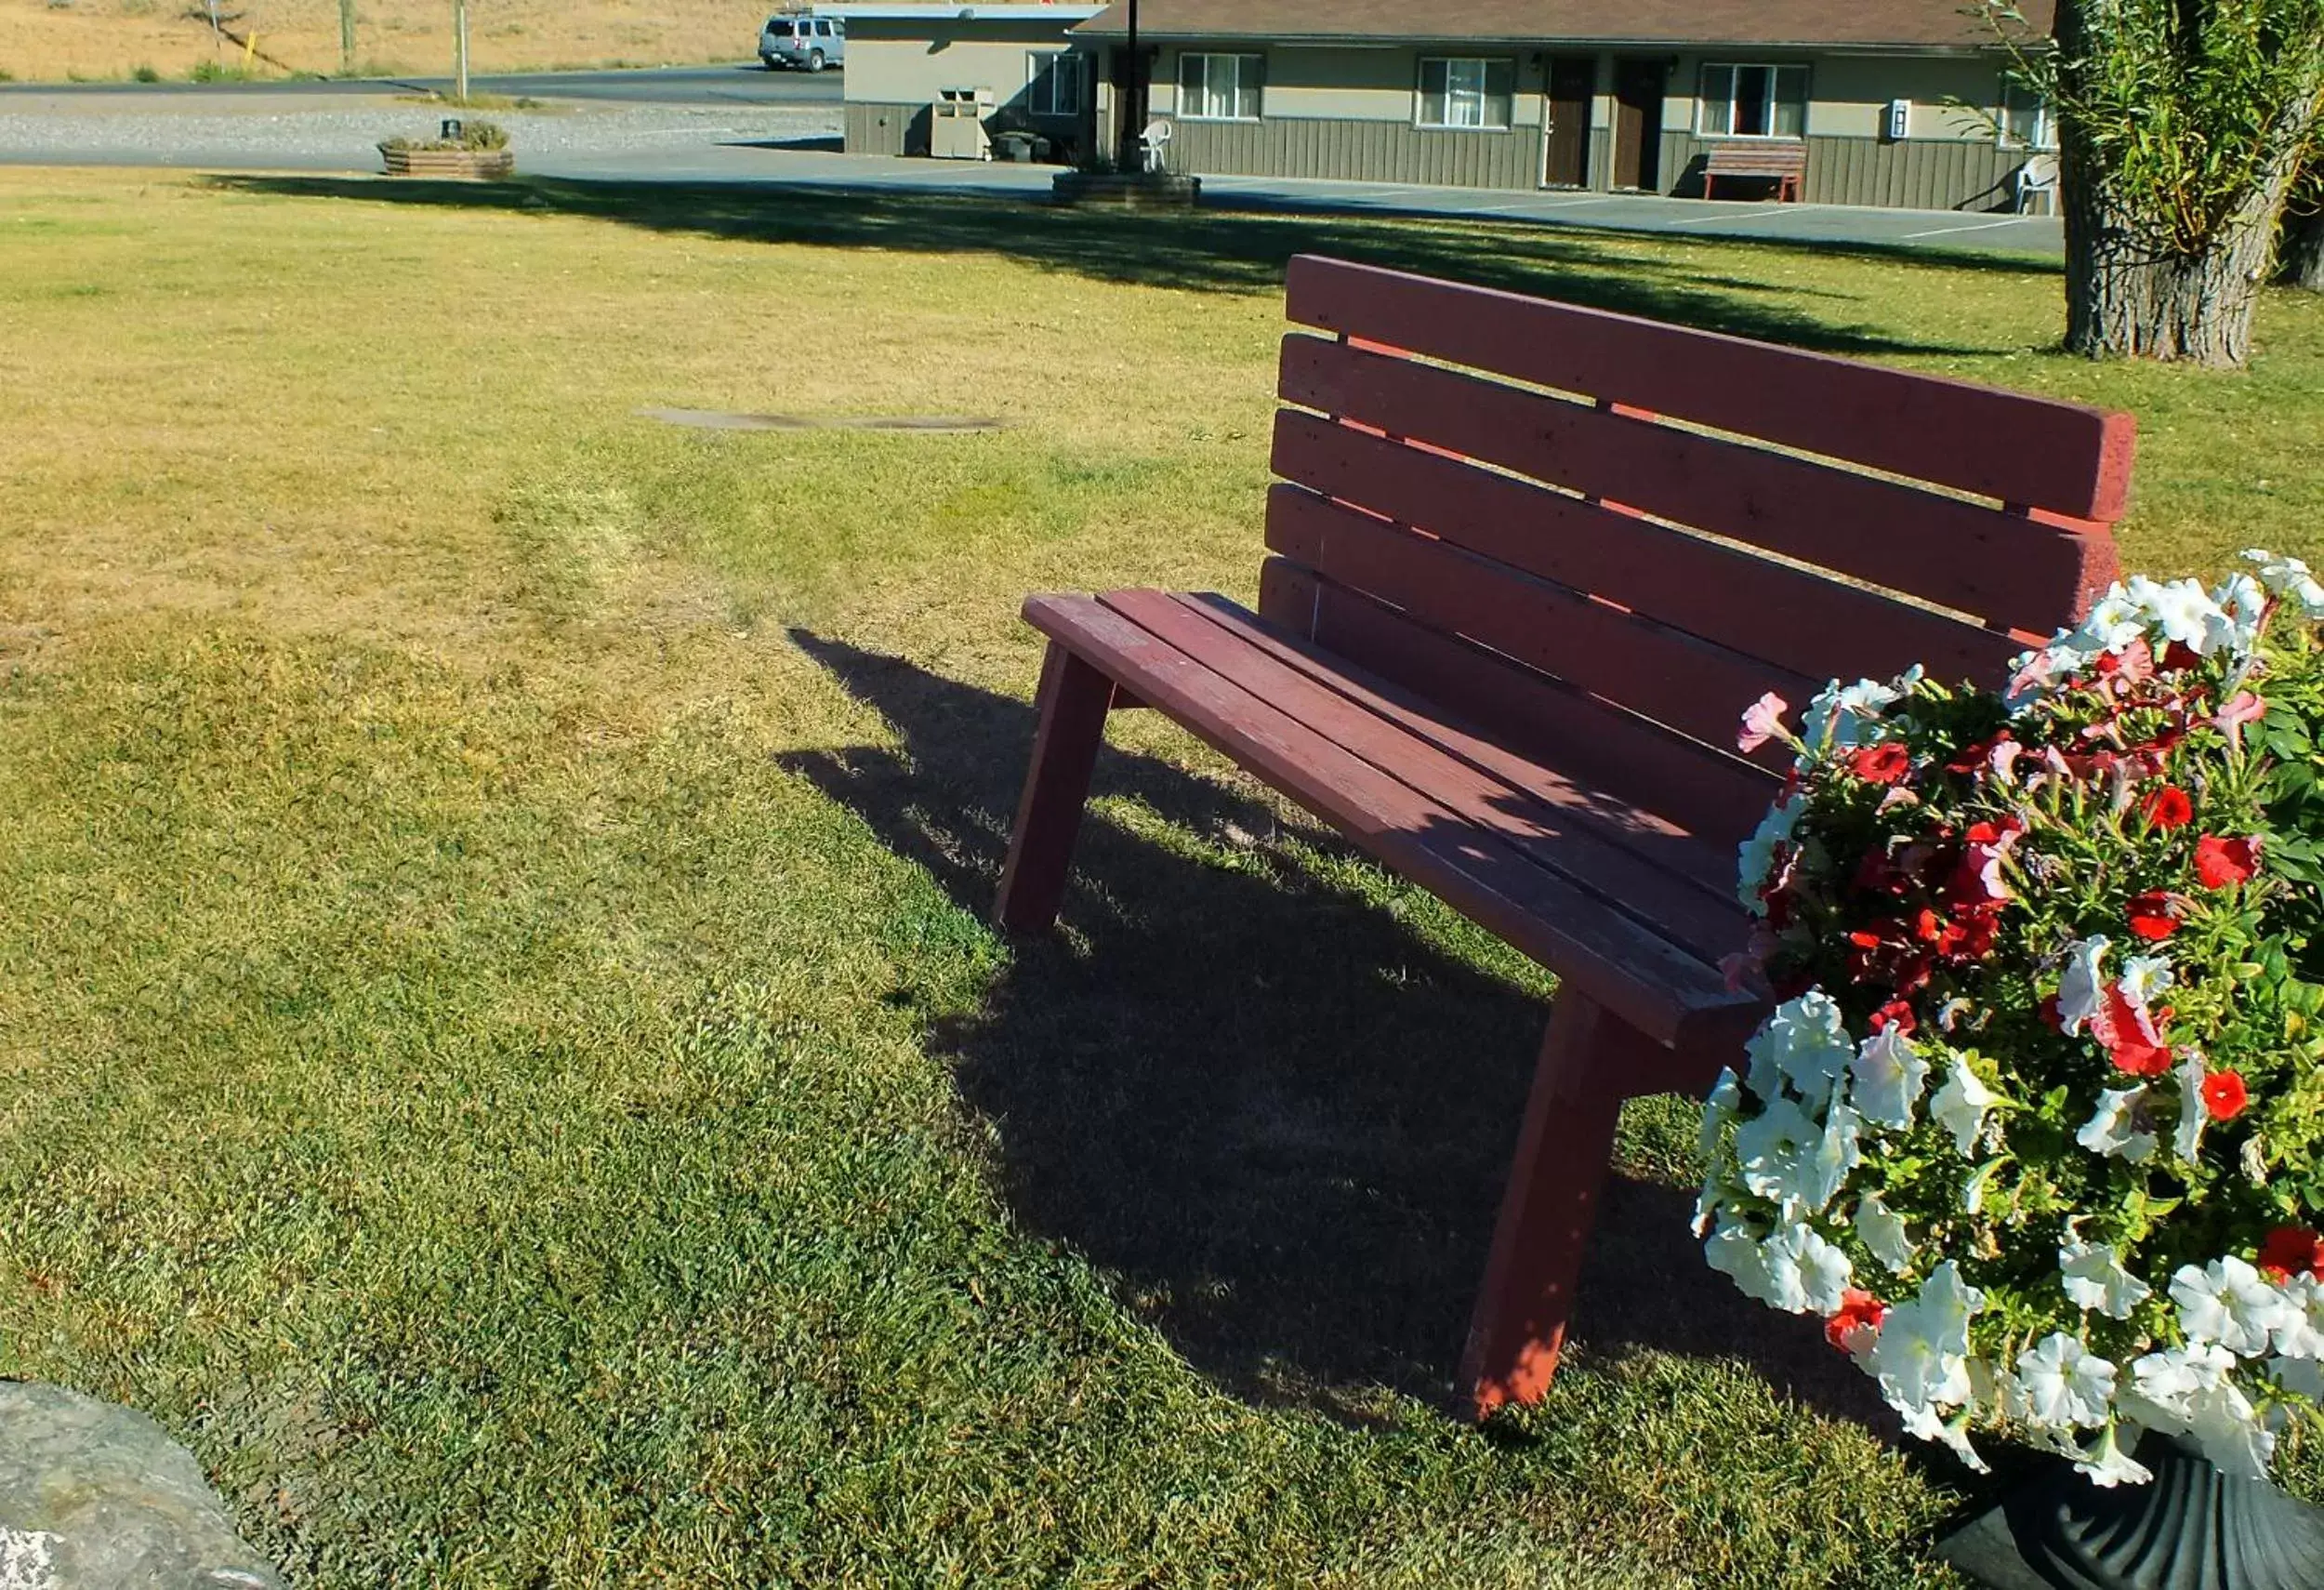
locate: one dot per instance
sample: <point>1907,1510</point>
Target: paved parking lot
<point>730,125</point>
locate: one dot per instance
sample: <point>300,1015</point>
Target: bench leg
<point>1074,700</point>
<point>1549,1208</point>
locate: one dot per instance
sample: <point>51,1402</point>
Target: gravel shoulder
<point>339,132</point>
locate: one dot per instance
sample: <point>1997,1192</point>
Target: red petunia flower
<point>1857,1321</point>
<point>2288,1250</point>
<point>1884,763</point>
<point>1897,1014</point>
<point>2169,808</point>
<point>2178,657</point>
<point>2154,915</point>
<point>2225,1094</point>
<point>2222,862</point>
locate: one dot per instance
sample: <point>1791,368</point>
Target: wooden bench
<point>1780,161</point>
<point>1487,653</point>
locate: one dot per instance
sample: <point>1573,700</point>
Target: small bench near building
<point>1782,162</point>
<point>1530,562</point>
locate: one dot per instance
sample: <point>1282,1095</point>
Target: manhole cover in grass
<point>720,420</point>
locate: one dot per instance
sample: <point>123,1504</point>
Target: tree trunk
<point>2302,261</point>
<point>2125,297</point>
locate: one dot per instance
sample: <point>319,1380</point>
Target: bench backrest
<point>1756,159</point>
<point>1599,537</point>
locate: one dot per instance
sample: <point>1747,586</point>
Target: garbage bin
<point>956,123</point>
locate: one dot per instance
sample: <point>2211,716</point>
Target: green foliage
<point>145,74</point>
<point>2184,115</point>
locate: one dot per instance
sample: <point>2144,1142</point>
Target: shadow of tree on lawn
<point>1279,1117</point>
<point>1205,250</point>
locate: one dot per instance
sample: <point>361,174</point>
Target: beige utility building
<point>1904,102</point>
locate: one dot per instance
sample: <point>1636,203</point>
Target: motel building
<point>1898,102</point>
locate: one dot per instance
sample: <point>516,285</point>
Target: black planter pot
<point>2193,1528</point>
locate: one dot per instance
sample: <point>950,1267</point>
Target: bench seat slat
<point>1709,866</point>
<point>1798,619</point>
<point>1558,834</point>
<point>1696,688</point>
<point>2007,445</point>
<point>2008,571</point>
<point>1651,983</point>
<point>1702,790</point>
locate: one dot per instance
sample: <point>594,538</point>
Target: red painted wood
<point>1800,620</point>
<point>2005,446</point>
<point>1547,1208</point>
<point>1720,797</point>
<point>1662,674</point>
<point>1555,836</point>
<point>1073,703</point>
<point>2010,571</point>
<point>1709,866</point>
<point>1658,988</point>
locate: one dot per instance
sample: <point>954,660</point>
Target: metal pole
<point>459,47</point>
<point>1132,151</point>
<point>347,38</point>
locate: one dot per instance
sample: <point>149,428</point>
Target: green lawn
<point>502,1053</point>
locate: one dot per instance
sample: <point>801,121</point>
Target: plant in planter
<point>477,149</point>
<point>2037,1125</point>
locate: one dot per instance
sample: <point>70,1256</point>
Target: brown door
<point>1565,143</point>
<point>1638,124</point>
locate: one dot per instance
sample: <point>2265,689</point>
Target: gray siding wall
<point>1922,174</point>
<point>875,128</point>
<point>1354,151</point>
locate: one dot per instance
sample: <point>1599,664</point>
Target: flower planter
<point>2192,1529</point>
<point>458,165</point>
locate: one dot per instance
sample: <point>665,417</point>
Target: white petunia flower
<point>2083,985</point>
<point>2064,1383</point>
<point>1921,1356</point>
<point>2289,578</point>
<point>2168,1383</point>
<point>1737,1255</point>
<point>1823,1270</point>
<point>1840,714</point>
<point>2034,674</point>
<point>2232,1432</point>
<point>2193,1114</point>
<point>1960,1103</point>
<point>1757,853</point>
<point>2113,1129</point>
<point>2229,1303</point>
<point>2144,978</point>
<point>2114,622</point>
<point>2240,601</point>
<point>2302,1375</point>
<point>1709,1201</point>
<point>2299,1329</point>
<point>2181,610</point>
<point>1888,1075</point>
<point>1805,1041</point>
<point>1925,1424</point>
<point>1836,1155</point>
<point>1774,1151</point>
<point>2094,1277</point>
<point>1719,1107</point>
<point>2108,1464</point>
<point>1884,1232</point>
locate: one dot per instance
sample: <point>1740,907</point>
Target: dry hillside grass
<point>46,41</point>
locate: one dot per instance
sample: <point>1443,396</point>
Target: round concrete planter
<point>466,164</point>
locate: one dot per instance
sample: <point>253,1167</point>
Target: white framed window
<point>1744,100</point>
<point>1461,91</point>
<point>2026,121</point>
<point>1219,88</point>
<point>1054,80</point>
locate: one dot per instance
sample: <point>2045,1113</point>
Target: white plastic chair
<point>1154,141</point>
<point>2038,176</point>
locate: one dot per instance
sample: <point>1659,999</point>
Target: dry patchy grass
<point>502,1053</point>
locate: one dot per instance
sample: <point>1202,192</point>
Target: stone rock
<point>97,1497</point>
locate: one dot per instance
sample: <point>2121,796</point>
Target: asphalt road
<point>747,83</point>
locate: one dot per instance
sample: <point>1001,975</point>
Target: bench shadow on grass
<point>1204,250</point>
<point>1276,1115</point>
